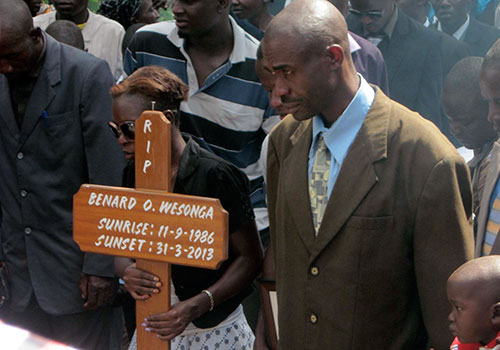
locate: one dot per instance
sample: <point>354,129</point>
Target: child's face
<point>469,318</point>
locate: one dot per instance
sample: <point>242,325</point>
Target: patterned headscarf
<point>120,10</point>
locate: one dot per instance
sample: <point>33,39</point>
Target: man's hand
<point>140,284</point>
<point>96,291</point>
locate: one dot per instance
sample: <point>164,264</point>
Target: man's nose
<point>455,128</point>
<point>280,89</point>
<point>176,7</point>
<point>5,67</point>
<point>366,19</point>
<point>494,115</point>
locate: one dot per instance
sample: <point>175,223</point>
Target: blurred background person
<point>454,19</point>
<point>66,32</point>
<point>102,36</point>
<point>128,12</point>
<point>253,11</point>
<point>467,112</point>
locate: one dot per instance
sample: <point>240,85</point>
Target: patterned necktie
<point>492,227</point>
<point>318,182</point>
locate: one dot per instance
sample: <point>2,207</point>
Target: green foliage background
<point>165,15</point>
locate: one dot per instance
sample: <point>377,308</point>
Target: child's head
<point>474,294</point>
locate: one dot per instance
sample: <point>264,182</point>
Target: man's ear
<point>336,54</point>
<point>495,314</point>
<point>222,5</point>
<point>36,34</point>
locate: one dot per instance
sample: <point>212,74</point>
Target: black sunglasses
<point>371,14</point>
<point>125,128</point>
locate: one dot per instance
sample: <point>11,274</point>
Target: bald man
<point>369,204</point>
<point>54,107</point>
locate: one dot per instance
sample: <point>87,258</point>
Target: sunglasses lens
<point>128,129</point>
<point>114,129</point>
<point>355,12</point>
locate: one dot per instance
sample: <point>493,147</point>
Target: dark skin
<point>321,82</point>
<point>20,48</point>
<point>34,6</point>
<point>72,10</point>
<point>451,13</point>
<point>244,245</point>
<point>209,37</point>
<point>416,9</point>
<point>255,11</point>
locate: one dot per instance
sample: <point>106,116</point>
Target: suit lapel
<point>395,54</point>
<point>357,175</point>
<point>472,35</point>
<point>6,112</point>
<point>296,183</point>
<point>489,186</point>
<point>43,91</point>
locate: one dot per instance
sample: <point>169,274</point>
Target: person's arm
<point>442,241</point>
<point>244,243</point>
<point>268,271</point>
<point>96,283</point>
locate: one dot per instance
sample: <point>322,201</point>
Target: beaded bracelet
<point>211,297</point>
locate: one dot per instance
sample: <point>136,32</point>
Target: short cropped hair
<point>492,58</point>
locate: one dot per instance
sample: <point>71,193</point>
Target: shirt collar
<point>427,23</point>
<point>339,137</point>
<point>353,44</point>
<point>460,31</point>
<point>238,54</point>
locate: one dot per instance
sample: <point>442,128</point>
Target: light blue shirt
<point>339,137</point>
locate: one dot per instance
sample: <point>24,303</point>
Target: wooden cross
<point>148,223</point>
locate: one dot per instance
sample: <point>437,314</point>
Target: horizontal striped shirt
<point>230,113</point>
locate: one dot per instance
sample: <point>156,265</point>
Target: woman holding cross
<point>206,308</point>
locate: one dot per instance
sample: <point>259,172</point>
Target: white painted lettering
<point>147,164</point>
<point>92,198</point>
<point>99,240</point>
<point>147,125</point>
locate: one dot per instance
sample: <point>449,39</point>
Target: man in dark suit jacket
<point>371,271</point>
<point>54,105</point>
<point>454,19</point>
<point>415,71</point>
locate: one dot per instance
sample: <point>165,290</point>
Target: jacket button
<point>20,155</point>
<point>314,271</point>
<point>27,231</point>
<point>23,193</point>
<point>314,318</point>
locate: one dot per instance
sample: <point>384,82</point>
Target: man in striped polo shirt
<point>228,111</point>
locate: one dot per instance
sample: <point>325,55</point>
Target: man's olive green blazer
<point>397,224</point>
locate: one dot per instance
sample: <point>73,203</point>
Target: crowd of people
<point>354,145</point>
